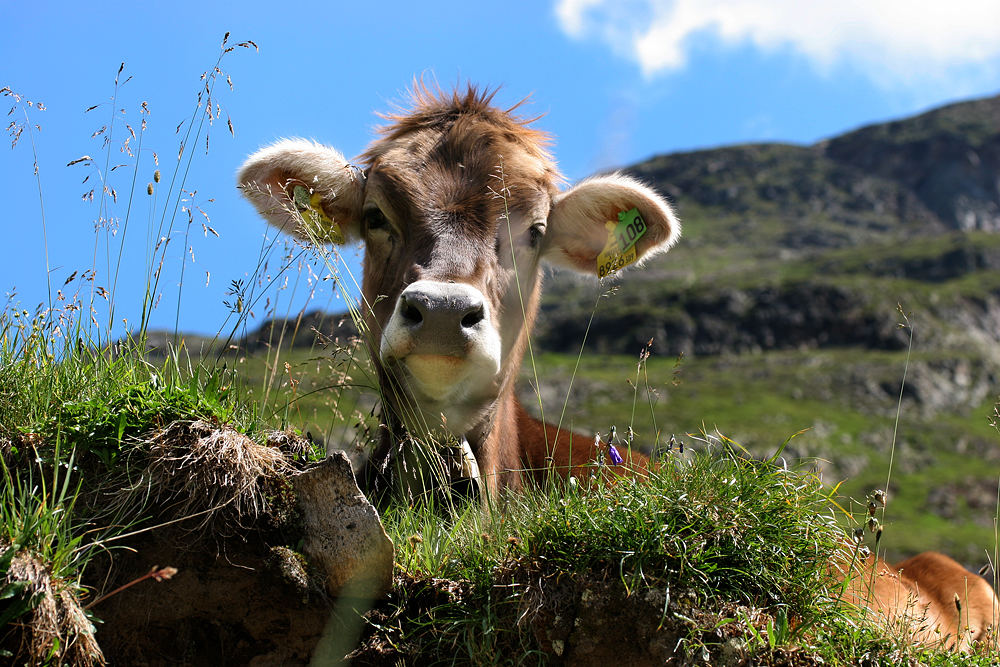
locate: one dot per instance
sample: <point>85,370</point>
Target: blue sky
<point>616,81</point>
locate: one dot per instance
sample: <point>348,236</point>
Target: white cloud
<point>892,41</point>
<point>572,15</point>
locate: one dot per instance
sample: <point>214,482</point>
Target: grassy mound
<point>719,558</point>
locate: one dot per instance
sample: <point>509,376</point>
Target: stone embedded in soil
<point>344,538</point>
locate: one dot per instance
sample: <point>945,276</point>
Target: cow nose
<point>443,307</point>
<point>444,336</point>
<point>442,315</point>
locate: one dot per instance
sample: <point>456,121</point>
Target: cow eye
<point>535,234</point>
<point>375,220</point>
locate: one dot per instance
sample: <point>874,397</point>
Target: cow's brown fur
<point>929,598</point>
<point>461,184</point>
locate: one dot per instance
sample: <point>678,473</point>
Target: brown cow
<point>458,205</point>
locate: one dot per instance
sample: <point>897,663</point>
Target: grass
<point>77,409</point>
<point>845,399</point>
<point>719,551</point>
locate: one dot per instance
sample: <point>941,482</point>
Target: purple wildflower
<point>616,458</point>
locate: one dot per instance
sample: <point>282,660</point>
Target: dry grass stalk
<point>289,442</point>
<point>200,468</point>
<point>57,630</point>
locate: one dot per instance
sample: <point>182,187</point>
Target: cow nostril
<point>474,317</point>
<point>410,313</point>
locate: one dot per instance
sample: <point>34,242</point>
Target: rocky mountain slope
<point>788,246</point>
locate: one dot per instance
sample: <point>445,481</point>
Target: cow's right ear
<point>306,189</point>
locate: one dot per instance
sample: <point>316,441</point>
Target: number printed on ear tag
<point>310,207</point>
<point>619,251</point>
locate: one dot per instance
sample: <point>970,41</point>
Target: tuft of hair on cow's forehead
<point>437,110</point>
<point>449,148</point>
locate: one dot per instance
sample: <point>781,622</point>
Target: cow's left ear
<point>584,220</point>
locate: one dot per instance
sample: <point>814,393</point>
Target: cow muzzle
<point>445,337</point>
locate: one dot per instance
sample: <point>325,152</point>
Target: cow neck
<point>474,437</point>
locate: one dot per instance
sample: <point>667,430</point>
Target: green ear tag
<point>314,218</point>
<point>300,195</point>
<point>619,251</point>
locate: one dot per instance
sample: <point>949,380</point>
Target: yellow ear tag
<point>619,251</point>
<point>310,207</point>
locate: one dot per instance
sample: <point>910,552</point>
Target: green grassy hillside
<point>839,404</point>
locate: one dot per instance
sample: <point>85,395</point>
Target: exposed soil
<point>234,602</point>
<point>243,592</point>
